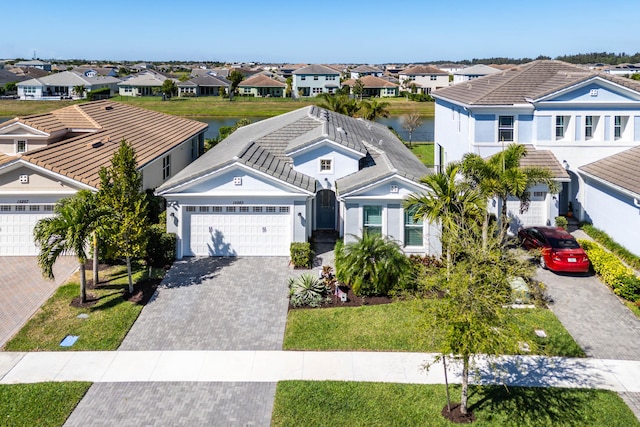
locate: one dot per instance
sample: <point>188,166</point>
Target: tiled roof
<point>150,133</point>
<point>206,80</point>
<point>260,80</point>
<point>621,170</point>
<point>366,69</point>
<point>316,69</point>
<point>530,81</point>
<point>145,78</point>
<point>69,78</point>
<point>6,159</point>
<point>544,159</point>
<point>423,69</point>
<point>371,82</point>
<point>477,70</point>
<point>268,144</point>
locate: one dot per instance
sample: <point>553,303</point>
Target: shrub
<point>161,246</point>
<point>101,93</point>
<point>612,271</point>
<point>372,265</point>
<point>606,241</point>
<point>301,254</point>
<point>562,222</point>
<point>307,290</point>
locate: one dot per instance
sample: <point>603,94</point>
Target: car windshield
<point>563,243</point>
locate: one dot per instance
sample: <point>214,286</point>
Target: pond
<point>423,133</point>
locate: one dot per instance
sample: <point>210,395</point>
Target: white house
<point>315,79</point>
<point>278,180</point>
<point>62,85</point>
<point>46,157</point>
<point>145,83</point>
<point>583,117</point>
<point>473,72</point>
<point>424,78</point>
<point>365,70</point>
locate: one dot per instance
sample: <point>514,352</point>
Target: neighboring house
<point>425,78</point>
<point>7,76</point>
<point>612,196</point>
<point>62,86</point>
<point>28,73</point>
<point>277,181</point>
<point>365,70</point>
<point>375,87</point>
<point>47,157</point>
<point>315,79</point>
<point>35,63</point>
<point>581,116</point>
<point>623,69</point>
<point>144,83</point>
<point>96,71</point>
<point>473,72</point>
<point>286,70</point>
<point>451,68</point>
<point>260,85</point>
<point>204,85</point>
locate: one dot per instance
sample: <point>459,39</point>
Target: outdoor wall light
<point>300,214</point>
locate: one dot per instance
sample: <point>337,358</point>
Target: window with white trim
<point>505,128</point>
<point>412,229</point>
<point>166,166</point>
<point>19,208</point>
<point>48,208</point>
<point>316,90</point>
<point>203,208</point>
<point>21,146</point>
<point>231,209</point>
<point>372,220</point>
<point>271,209</point>
<point>432,78</point>
<point>561,126</point>
<point>244,208</point>
<point>315,77</point>
<point>284,209</point>
<point>257,209</point>
<point>588,127</point>
<point>619,126</point>
<point>5,208</point>
<point>191,209</point>
<point>216,209</point>
<point>326,165</point>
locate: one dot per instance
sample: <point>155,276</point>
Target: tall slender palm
<point>374,109</point>
<point>450,201</point>
<point>502,176</point>
<point>69,231</point>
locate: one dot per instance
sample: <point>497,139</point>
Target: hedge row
<point>606,241</point>
<point>613,272</point>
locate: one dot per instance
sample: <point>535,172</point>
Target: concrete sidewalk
<point>272,366</point>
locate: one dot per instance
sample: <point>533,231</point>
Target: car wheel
<point>543,263</point>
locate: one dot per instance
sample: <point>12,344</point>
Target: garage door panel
<point>16,233</point>
<point>535,215</point>
<point>240,234</point>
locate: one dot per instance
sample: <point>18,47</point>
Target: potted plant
<point>570,210</point>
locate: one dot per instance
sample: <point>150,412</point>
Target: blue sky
<point>326,31</point>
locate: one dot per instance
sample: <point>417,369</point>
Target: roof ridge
<point>86,115</point>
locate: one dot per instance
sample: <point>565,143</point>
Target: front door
<point>326,210</point>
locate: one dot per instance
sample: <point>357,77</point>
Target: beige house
<point>47,157</point>
<point>423,79</point>
<point>260,85</point>
<point>375,87</point>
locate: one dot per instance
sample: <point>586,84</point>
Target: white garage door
<point>535,215</point>
<point>241,231</point>
<point>16,228</point>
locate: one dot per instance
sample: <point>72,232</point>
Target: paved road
<point>202,304</point>
<point>24,290</point>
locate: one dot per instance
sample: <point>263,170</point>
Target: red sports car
<point>560,251</point>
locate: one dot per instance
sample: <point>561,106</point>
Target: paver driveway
<point>202,304</point>
<point>23,289</point>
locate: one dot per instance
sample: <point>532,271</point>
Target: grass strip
<point>396,327</point>
<point>41,404</point>
<point>334,403</point>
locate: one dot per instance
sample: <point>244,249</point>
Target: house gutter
<point>636,197</point>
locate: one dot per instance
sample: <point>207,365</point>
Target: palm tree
<point>451,202</point>
<point>371,264</point>
<point>502,176</point>
<point>335,103</point>
<point>70,230</point>
<point>374,109</point>
<point>79,90</point>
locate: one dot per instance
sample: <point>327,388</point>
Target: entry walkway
<point>273,366</point>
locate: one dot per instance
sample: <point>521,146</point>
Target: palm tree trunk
<point>485,231</point>
<point>83,283</point>
<point>465,384</point>
<point>129,274</point>
<point>95,259</point>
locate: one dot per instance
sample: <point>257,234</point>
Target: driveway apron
<point>23,290</point>
<point>202,304</point>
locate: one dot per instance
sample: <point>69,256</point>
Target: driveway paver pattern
<point>23,290</point>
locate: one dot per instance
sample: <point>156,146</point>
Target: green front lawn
<point>396,327</point>
<point>424,152</point>
<point>41,404</point>
<point>109,319</point>
<point>309,403</point>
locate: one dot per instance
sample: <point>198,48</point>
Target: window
<point>619,124</point>
<point>315,77</point>
<point>191,208</point>
<point>372,220</point>
<point>271,209</point>
<point>317,90</point>
<point>246,90</point>
<point>505,128</point>
<point>19,208</point>
<point>21,146</point>
<point>412,230</point>
<point>203,209</point>
<point>284,209</point>
<point>257,209</point>
<point>48,208</point>
<point>330,77</point>
<point>326,165</point>
<point>432,78</point>
<point>216,208</point>
<point>560,126</point>
<point>244,208</point>
<point>231,209</point>
<point>166,167</point>
<point>303,77</point>
<point>588,127</point>
<point>5,208</point>
<point>34,208</point>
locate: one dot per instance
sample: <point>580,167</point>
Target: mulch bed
<point>455,416</point>
<point>352,300</point>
